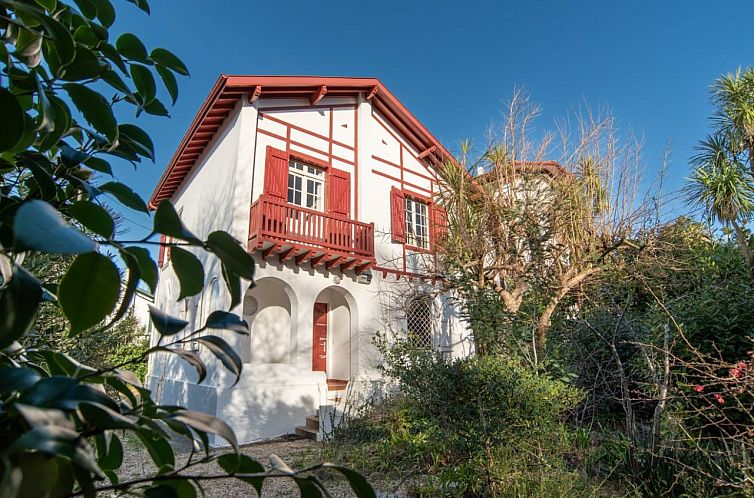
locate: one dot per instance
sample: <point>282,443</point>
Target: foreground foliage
<point>62,422</point>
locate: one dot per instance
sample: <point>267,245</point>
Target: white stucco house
<point>330,181</point>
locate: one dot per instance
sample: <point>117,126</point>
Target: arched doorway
<point>334,316</point>
<point>268,308</point>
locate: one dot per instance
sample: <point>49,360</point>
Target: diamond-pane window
<point>419,322</point>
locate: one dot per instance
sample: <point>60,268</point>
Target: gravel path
<point>296,452</point>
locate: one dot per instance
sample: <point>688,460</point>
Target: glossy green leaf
<point>169,60</point>
<point>45,111</point>
<point>12,123</point>
<point>130,47</point>
<point>87,7</point>
<point>111,54</point>
<point>102,417</point>
<point>138,139</point>
<point>189,271</point>
<point>61,124</point>
<point>192,359</point>
<point>358,483</point>
<point>86,36</point>
<point>233,283</point>
<point>231,253</point>
<point>17,379</point>
<point>105,12</point>
<point>19,303</point>
<point>206,423</point>
<point>89,291</point>
<point>99,164</point>
<point>71,157</point>
<point>125,196</point>
<point>40,227</point>
<point>147,266</point>
<point>227,321</point>
<point>144,81</point>
<point>48,4</point>
<point>41,171</point>
<point>156,108</point>
<point>56,440</point>
<point>164,323</point>
<point>114,80</point>
<point>85,65</point>
<point>62,37</point>
<point>129,290</point>
<point>109,451</point>
<point>168,222</point>
<point>168,79</point>
<point>223,352</point>
<point>243,464</point>
<point>94,217</point>
<point>159,449</point>
<point>95,109</point>
<point>142,4</point>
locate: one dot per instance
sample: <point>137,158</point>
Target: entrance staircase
<point>336,389</point>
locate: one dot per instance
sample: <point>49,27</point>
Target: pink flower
<point>741,365</point>
<point>719,398</point>
<point>734,372</point>
<point>698,388</point>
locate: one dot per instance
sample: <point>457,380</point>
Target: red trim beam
<point>227,90</point>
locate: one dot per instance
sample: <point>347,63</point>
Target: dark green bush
<point>478,426</point>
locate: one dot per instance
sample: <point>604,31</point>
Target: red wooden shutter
<point>398,215</point>
<point>439,223</point>
<point>161,259</point>
<point>276,174</point>
<point>340,193</point>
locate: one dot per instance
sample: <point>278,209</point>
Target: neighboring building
<point>140,308</point>
<point>330,181</point>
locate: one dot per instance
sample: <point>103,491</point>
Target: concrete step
<point>313,422</point>
<point>305,431</point>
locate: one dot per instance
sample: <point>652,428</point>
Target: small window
<point>419,322</point>
<point>417,225</point>
<point>306,185</point>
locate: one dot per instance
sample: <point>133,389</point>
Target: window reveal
<point>417,224</point>
<point>306,185</point>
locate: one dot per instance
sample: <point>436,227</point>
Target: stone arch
<point>271,310</point>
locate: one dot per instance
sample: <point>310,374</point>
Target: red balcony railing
<point>281,222</point>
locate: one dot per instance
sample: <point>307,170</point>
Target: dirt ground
<point>296,452</point>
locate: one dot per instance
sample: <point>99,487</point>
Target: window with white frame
<point>419,322</point>
<point>306,185</point>
<point>417,223</point>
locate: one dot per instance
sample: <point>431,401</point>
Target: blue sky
<point>455,63</point>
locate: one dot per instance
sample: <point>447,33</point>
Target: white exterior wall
<point>278,388</point>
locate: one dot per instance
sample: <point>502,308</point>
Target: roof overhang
<point>227,90</point>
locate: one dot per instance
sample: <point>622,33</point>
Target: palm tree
<point>722,181</point>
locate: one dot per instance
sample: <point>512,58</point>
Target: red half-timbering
<point>228,90</point>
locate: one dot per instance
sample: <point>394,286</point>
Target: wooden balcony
<point>290,232</point>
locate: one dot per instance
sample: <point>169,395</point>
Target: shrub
<point>476,426</point>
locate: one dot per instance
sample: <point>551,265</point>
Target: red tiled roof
<point>228,89</point>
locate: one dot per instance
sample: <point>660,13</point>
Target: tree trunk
<point>743,243</point>
<point>545,319</point>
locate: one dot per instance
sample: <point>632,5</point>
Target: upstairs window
<point>306,185</point>
<point>417,223</point>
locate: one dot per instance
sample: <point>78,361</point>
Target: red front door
<point>319,338</point>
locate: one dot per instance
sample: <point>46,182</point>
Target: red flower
<point>698,388</point>
<point>719,398</point>
<point>741,365</point>
<point>734,372</point>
